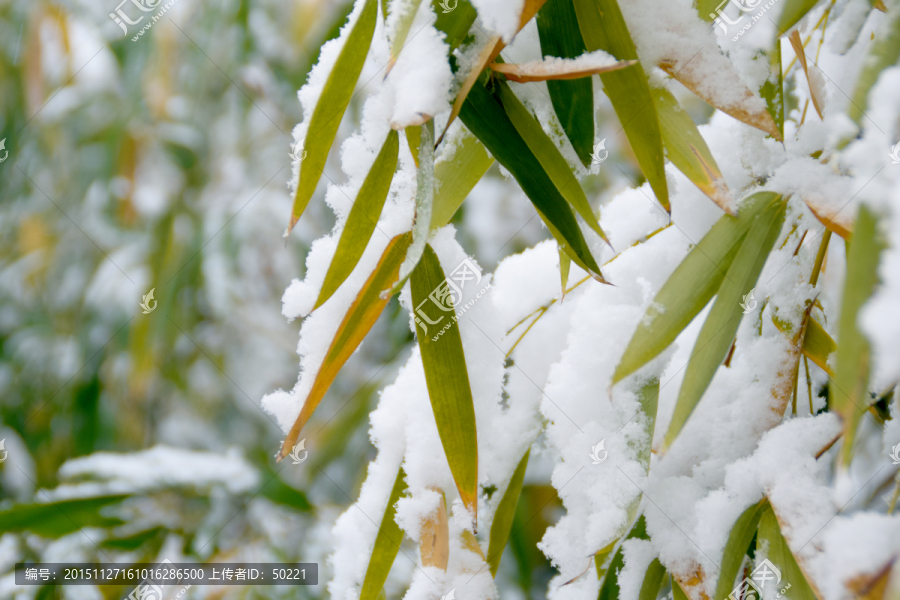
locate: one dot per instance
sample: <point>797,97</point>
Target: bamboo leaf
<point>546,70</point>
<point>848,390</point>
<point>736,547</point>
<point>406,10</point>
<point>690,287</point>
<point>884,53</point>
<point>485,117</point>
<point>413,140</point>
<point>721,324</point>
<point>56,519</point>
<point>797,45</point>
<point>573,101</point>
<point>332,103</point>
<point>653,579</point>
<point>503,518</point>
<point>387,544</point>
<point>609,589</point>
<point>463,162</point>
<point>363,313</point>
<point>565,264</point>
<point>838,222</point>
<point>688,151</point>
<point>363,217</point>
<point>549,156</point>
<point>772,91</point>
<point>434,537</point>
<point>424,202</point>
<point>818,346</point>
<point>773,547</point>
<point>447,379</point>
<point>627,89</point>
<point>792,12</point>
<point>456,22</point>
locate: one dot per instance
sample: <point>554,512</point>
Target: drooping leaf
<point>609,589</point>
<point>573,101</point>
<point>434,537</point>
<point>330,107</point>
<point>363,218</point>
<point>884,53</point>
<point>818,346</point>
<point>791,13</point>
<point>547,70</point>
<point>549,156</point>
<point>837,221</point>
<point>503,518</point>
<point>424,202</point>
<point>721,324</point>
<point>461,165</point>
<point>455,22</point>
<point>360,318</point>
<point>690,287</point>
<point>56,519</point>
<point>387,544</point>
<point>485,116</point>
<point>797,45</point>
<point>446,376</point>
<point>628,89</point>
<point>739,539</point>
<point>688,151</point>
<point>773,547</point>
<point>848,390</point>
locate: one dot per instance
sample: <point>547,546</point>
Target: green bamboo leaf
<point>424,203</point>
<point>549,156</point>
<point>772,91</point>
<point>360,318</point>
<point>330,107</point>
<point>677,592</point>
<point>690,287</point>
<point>688,151</point>
<point>628,89</point>
<point>565,264</point>
<point>413,140</point>
<point>736,547</point>
<point>818,346</point>
<point>363,217</point>
<point>848,390</point>
<point>707,9</point>
<point>461,165</point>
<point>884,53</point>
<point>455,22</point>
<point>609,589</point>
<point>56,519</point>
<point>407,10</point>
<point>447,378</point>
<point>387,544</point>
<point>721,324</point>
<point>792,12</point>
<point>772,546</point>
<point>485,117</point>
<point>573,100</point>
<point>503,518</point>
<point>653,579</point>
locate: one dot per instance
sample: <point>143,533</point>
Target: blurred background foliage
<point>162,164</point>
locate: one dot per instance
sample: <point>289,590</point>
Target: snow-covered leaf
<point>402,14</point>
<point>814,91</point>
<point>360,318</point>
<point>548,69</point>
<point>503,517</point>
<point>446,376</point>
<point>772,546</point>
<point>609,587</point>
<point>628,89</point>
<point>434,538</point>
<point>688,151</point>
<point>333,101</point>
<point>363,217</point>
<point>461,165</point>
<point>387,544</point>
